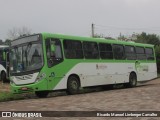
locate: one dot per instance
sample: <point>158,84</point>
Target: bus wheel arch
<point>132,79</point>
<point>73,84</point>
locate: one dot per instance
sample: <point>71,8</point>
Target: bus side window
<point>105,51</point>
<point>90,50</point>
<point>140,53</point>
<point>149,53</point>
<point>118,51</point>
<point>130,52</point>
<point>73,49</point>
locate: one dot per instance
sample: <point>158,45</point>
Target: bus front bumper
<point>37,86</point>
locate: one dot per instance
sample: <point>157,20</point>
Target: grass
<point>7,96</point>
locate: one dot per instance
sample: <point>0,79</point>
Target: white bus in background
<point>4,68</point>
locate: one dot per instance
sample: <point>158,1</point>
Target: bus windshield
<point>26,57</point>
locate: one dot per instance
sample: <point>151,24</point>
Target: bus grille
<point>24,77</point>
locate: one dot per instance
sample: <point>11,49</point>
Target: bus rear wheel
<point>42,94</point>
<point>132,80</point>
<point>73,85</point>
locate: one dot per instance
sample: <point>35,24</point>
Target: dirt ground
<point>4,86</point>
<point>145,97</point>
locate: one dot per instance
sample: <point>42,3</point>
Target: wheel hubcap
<point>133,80</point>
<point>74,85</point>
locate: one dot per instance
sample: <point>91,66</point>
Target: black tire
<point>42,94</point>
<point>132,80</point>
<point>3,77</point>
<point>73,85</point>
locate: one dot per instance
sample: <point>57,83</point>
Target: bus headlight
<point>40,77</point>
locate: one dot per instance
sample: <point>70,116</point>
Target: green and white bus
<point>4,68</point>
<point>45,62</point>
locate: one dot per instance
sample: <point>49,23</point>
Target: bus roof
<point>61,36</point>
<point>102,40</point>
<point>3,46</point>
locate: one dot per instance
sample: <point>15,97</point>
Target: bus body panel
<point>92,74</point>
<point>2,68</point>
<point>146,71</point>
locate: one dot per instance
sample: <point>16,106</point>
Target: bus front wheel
<point>42,94</point>
<point>73,85</point>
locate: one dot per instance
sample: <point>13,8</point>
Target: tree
<point>7,42</point>
<point>18,32</point>
<point>1,42</point>
<point>148,38</point>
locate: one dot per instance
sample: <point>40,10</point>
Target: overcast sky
<point>74,17</point>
